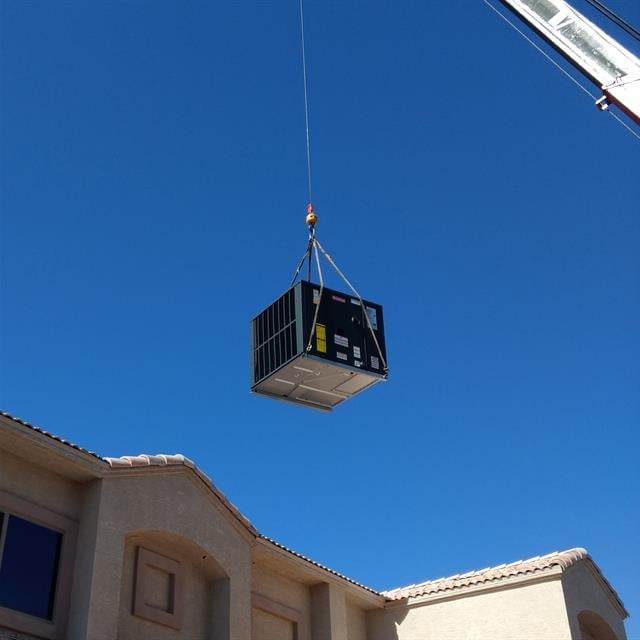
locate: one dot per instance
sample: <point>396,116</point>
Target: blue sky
<point>152,196</point>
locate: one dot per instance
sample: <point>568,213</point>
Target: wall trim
<point>258,601</point>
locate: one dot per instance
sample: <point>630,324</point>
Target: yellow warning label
<point>321,338</point>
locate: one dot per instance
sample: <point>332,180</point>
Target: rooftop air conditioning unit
<point>343,355</point>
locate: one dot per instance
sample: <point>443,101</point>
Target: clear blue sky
<point>152,200</point>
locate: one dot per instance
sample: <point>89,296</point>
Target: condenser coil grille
<point>274,334</point>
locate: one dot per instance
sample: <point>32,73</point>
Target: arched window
<point>594,627</point>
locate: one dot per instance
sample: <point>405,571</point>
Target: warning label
<point>356,352</point>
<point>375,363</point>
<point>341,340</point>
<point>321,338</point>
<point>341,356</point>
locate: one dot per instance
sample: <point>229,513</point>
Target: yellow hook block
<point>311,218</point>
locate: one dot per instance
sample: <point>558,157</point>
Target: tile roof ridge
<point>563,559</point>
<point>149,460</point>
<point>144,460</point>
<point>163,460</point>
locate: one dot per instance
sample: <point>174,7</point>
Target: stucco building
<point>147,547</point>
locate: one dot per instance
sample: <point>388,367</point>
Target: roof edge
<point>159,461</point>
<point>613,594</point>
<point>492,577</point>
<point>336,574</point>
<point>472,590</point>
<point>39,437</point>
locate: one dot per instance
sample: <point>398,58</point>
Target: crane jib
<point>609,65</point>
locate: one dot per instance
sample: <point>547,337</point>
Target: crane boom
<point>603,60</point>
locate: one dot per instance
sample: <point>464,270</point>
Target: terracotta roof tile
<point>177,459</point>
<point>537,564</point>
<point>144,460</point>
<point>49,435</point>
<point>563,559</point>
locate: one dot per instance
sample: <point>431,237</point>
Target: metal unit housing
<point>343,359</point>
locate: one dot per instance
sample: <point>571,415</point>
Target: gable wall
<point>178,507</point>
<point>529,611</point>
<point>582,591</point>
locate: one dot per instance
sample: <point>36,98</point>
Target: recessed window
<point>29,556</point>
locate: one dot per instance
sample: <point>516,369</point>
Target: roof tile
<point>537,564</point>
<point>49,435</point>
<point>316,564</point>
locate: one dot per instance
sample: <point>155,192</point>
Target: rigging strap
<point>315,315</point>
<point>314,247</point>
<point>304,257</point>
<point>357,295</point>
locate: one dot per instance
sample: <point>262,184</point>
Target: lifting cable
<point>616,19</point>
<point>313,246</point>
<point>306,99</point>
<point>315,314</point>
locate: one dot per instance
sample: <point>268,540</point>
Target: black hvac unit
<point>342,359</point>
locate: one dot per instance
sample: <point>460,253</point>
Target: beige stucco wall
<point>39,486</point>
<point>282,589</point>
<point>198,606</point>
<point>325,611</point>
<point>285,591</point>
<point>267,626</point>
<point>356,622</point>
<point>532,611</point>
<point>583,591</point>
<point>174,502</point>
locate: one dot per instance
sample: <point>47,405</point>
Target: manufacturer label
<point>341,356</point>
<point>341,340</point>
<point>373,318</point>
<point>338,299</point>
<point>356,352</point>
<point>375,363</point>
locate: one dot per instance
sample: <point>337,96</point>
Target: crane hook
<point>311,218</point>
